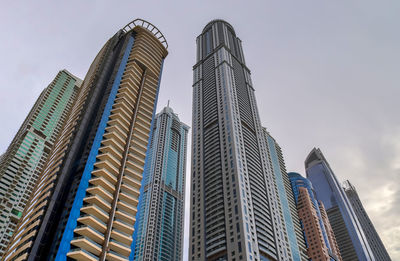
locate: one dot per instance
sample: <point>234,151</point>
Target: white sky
<point>326,74</point>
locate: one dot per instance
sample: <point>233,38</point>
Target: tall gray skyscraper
<point>160,221</point>
<point>353,244</point>
<point>235,209</point>
<point>375,242</point>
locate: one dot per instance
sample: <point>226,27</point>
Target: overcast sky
<point>326,74</point>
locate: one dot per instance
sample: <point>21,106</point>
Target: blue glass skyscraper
<point>352,242</point>
<point>161,210</point>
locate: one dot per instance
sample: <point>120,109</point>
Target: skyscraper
<point>350,237</point>
<point>161,212</point>
<point>84,204</point>
<point>27,153</point>
<point>375,242</point>
<point>235,210</point>
<point>286,199</point>
<point>321,242</point>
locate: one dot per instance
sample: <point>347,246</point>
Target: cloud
<point>380,196</point>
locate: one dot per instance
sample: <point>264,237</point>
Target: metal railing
<point>150,27</point>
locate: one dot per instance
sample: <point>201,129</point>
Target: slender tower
<point>373,238</point>
<point>161,212</point>
<point>235,210</point>
<point>286,199</point>
<point>353,244</point>
<point>27,153</point>
<point>84,204</point>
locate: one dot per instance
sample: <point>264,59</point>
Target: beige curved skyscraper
<point>84,203</point>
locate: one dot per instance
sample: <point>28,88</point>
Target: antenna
<point>168,104</point>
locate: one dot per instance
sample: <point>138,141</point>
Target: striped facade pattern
<point>234,201</point>
<point>27,229</point>
<point>27,154</point>
<point>287,202</point>
<point>160,222</point>
<point>317,248</point>
<point>334,247</point>
<point>377,246</point>
<point>97,222</point>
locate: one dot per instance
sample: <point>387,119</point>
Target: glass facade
<point>160,221</point>
<point>351,240</point>
<point>296,241</point>
<point>30,148</point>
<point>297,181</point>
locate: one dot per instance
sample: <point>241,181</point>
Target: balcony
<point>130,220</point>
<point>82,254</point>
<point>89,232</point>
<point>133,170</point>
<point>94,222</point>
<point>129,198</point>
<point>119,123</point>
<point>117,130</point>
<point>114,256</point>
<point>87,244</point>
<point>121,117</point>
<point>132,191</point>
<point>119,247</point>
<point>101,181</point>
<point>124,105</point>
<point>138,150</point>
<point>127,114</point>
<point>144,122</point>
<point>95,211</point>
<point>128,102</point>
<point>132,182</point>
<point>102,192</point>
<point>121,237</point>
<point>108,157</point>
<point>98,201</point>
<point>113,151</point>
<point>141,137</point>
<point>122,226</point>
<point>114,144</point>
<point>145,114</point>
<point>103,172</point>
<point>128,209</point>
<point>135,159</point>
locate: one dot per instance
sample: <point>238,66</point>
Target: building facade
<point>161,213</point>
<point>375,242</point>
<point>287,203</point>
<point>235,210</point>
<point>320,239</point>
<point>84,204</point>
<point>25,157</point>
<point>353,244</point>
